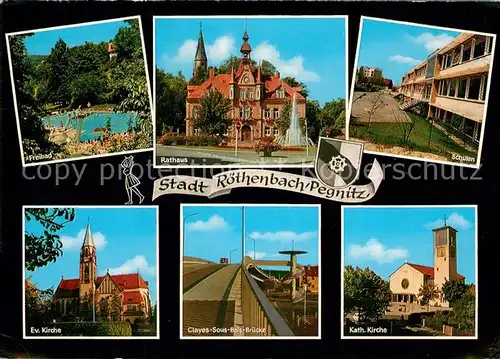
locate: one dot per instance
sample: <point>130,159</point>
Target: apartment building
<point>452,82</point>
<point>371,72</point>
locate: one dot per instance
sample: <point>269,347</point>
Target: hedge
<point>199,140</point>
<point>114,329</point>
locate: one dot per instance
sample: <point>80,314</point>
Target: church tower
<point>445,255</point>
<point>200,59</point>
<point>88,264</point>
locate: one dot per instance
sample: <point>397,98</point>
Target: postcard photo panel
<point>90,272</point>
<point>246,91</point>
<point>410,272</point>
<point>81,90</point>
<point>250,271</point>
<point>421,92</point>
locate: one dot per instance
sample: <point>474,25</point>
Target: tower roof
<point>201,55</point>
<point>88,240</point>
<point>245,47</point>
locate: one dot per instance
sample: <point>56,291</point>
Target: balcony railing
<point>259,314</point>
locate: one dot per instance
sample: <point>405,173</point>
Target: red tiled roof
<point>132,297</point>
<point>69,288</point>
<point>312,271</point>
<point>428,270</point>
<point>387,81</point>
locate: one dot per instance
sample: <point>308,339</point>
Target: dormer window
<point>280,93</point>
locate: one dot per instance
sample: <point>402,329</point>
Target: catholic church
<point>407,280</point>
<point>132,289</point>
<point>257,99</point>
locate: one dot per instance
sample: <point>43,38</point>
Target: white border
<point>137,17</point>
<point>374,337</point>
<point>183,205</point>
<point>157,336</point>
<point>477,164</point>
<point>256,165</point>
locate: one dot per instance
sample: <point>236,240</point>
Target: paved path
<point>172,156</point>
<point>214,286</point>
<point>389,111</point>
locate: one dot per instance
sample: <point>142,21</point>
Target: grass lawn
<point>391,134</point>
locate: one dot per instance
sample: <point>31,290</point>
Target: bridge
<point>225,300</point>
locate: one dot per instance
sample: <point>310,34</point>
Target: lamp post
<point>253,239</point>
<point>231,253</point>
<point>184,232</point>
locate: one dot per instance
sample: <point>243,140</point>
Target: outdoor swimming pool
<point>119,123</point>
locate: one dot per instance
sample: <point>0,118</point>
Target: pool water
<point>119,123</point>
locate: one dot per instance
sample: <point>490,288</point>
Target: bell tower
<point>200,58</point>
<point>445,254</point>
<point>88,264</point>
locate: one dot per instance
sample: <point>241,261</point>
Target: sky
<point>397,48</point>
<point>383,238</point>
<point>125,240</point>
<point>311,50</point>
<point>43,41</point>
<point>217,230</point>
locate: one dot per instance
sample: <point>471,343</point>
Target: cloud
<point>138,263</point>
<point>75,243</point>
<point>215,223</point>
<point>431,42</point>
<point>404,60</point>
<point>260,255</point>
<point>217,52</point>
<point>293,67</point>
<point>455,220</point>
<point>374,250</point>
<point>284,236</point>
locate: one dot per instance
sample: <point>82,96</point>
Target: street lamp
<point>253,239</point>
<point>231,253</point>
<point>184,232</point>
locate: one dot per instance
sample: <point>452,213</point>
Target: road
<point>188,156</point>
<point>208,304</point>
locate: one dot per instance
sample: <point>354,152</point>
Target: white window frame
<point>276,113</point>
<point>276,132</point>
<point>267,131</point>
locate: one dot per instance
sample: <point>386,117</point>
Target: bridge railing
<point>260,317</point>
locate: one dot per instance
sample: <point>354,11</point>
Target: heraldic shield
<point>338,162</point>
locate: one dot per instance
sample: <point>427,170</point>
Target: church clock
<point>245,79</point>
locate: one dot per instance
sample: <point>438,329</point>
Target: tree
<point>405,126</point>
<point>427,293</point>
<point>128,40</point>
<point>313,117</point>
<point>463,315</point>
<point>365,293</point>
<point>200,76</point>
<point>87,87</point>
<point>333,117</point>
<point>171,92</point>
<point>116,307</point>
<point>376,103</point>
<point>38,304</point>
<point>104,309</point>
<point>454,290</point>
<point>360,76</point>
<point>45,247</point>
<point>291,81</point>
<point>60,78</point>
<point>212,117</point>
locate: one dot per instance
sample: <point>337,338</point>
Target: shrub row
<point>114,329</point>
<point>200,140</point>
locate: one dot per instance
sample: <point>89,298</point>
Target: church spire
<point>200,58</point>
<point>88,240</point>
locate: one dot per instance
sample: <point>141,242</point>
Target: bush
<point>266,145</point>
<point>115,329</point>
<point>199,140</point>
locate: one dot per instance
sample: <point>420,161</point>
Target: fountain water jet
<point>294,135</point>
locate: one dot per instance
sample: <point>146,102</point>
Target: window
<point>467,51</point>
<point>247,112</point>
<point>276,113</point>
<point>250,94</point>
<point>242,94</point>
<point>479,49</point>
<point>456,57</point>
<point>267,113</point>
<point>267,131</point>
<point>195,111</point>
<point>196,131</point>
<point>448,60</point>
<point>485,86</point>
<point>462,85</point>
<point>231,92</point>
<point>241,112</point>
<point>276,132</point>
<point>453,86</point>
<point>475,84</point>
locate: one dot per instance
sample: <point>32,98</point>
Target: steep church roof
<point>201,55</point>
<point>425,270</point>
<point>88,240</point>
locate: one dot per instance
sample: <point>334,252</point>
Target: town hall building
<point>257,99</point>
<point>407,280</point>
<point>132,289</point>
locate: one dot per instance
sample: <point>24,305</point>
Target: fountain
<point>294,135</point>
